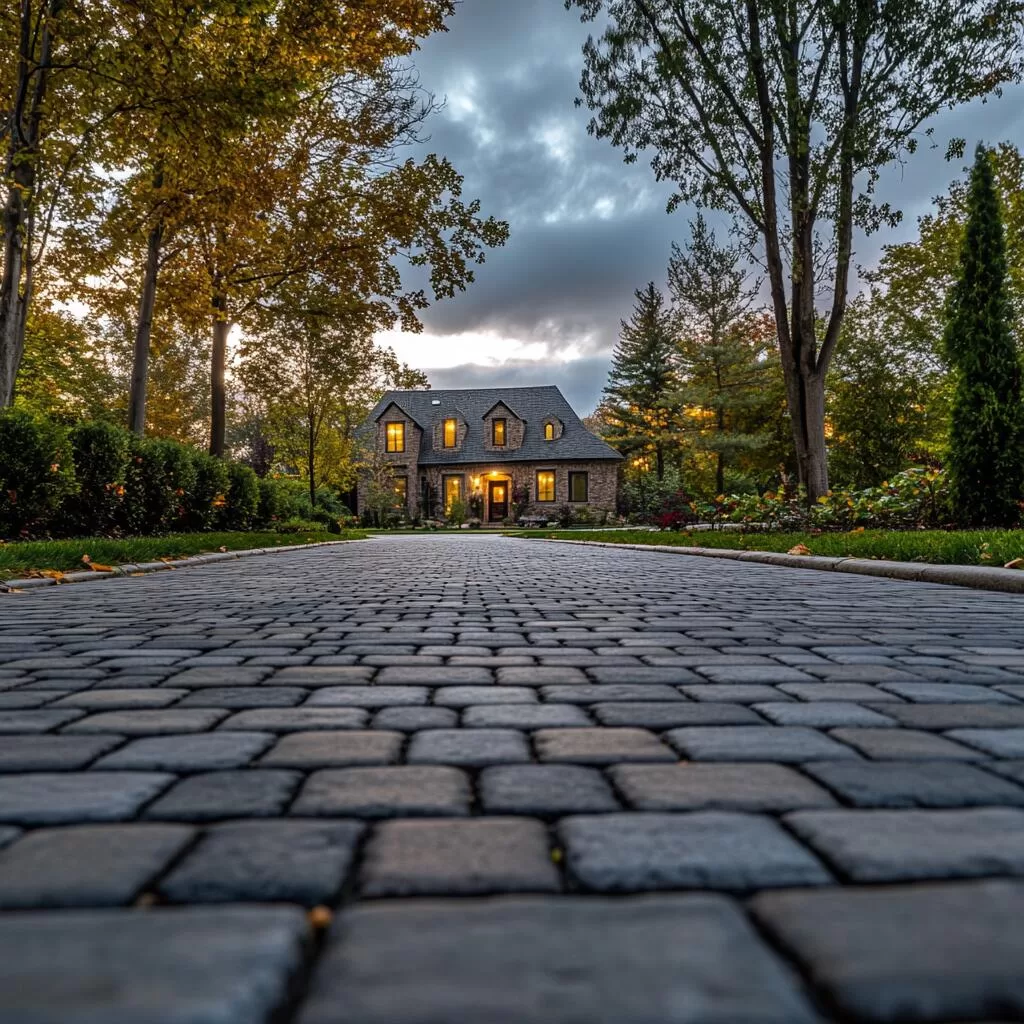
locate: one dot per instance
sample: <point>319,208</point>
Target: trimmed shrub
<point>36,472</point>
<point>208,494</point>
<point>100,452</point>
<point>160,475</point>
<point>296,525</point>
<point>243,498</point>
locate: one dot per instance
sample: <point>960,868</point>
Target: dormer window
<point>498,433</point>
<point>395,437</point>
<point>549,431</point>
<point>451,433</point>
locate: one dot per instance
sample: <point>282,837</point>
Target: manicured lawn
<point>966,547</point>
<point>22,557</point>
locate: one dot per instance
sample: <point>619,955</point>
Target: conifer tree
<point>986,450</point>
<point>642,379</point>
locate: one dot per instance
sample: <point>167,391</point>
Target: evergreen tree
<point>637,396</point>
<point>731,390</point>
<point>986,450</point>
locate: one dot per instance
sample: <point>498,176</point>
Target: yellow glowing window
<point>578,486</point>
<point>498,433</point>
<point>546,486</point>
<point>549,431</point>
<point>452,492</point>
<point>395,434</point>
<point>401,490</point>
<point>451,431</point>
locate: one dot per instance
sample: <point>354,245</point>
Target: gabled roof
<point>531,405</point>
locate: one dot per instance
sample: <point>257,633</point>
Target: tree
<point>636,403</point>
<point>986,450</point>
<point>888,403</point>
<point>783,112</point>
<point>317,372</point>
<point>724,351</point>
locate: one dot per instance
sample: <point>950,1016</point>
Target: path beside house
<point>537,784</point>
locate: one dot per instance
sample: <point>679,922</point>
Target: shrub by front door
<point>497,500</point>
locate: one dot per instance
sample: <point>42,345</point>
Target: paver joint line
<point>534,783</point>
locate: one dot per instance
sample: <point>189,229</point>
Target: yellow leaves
<point>319,918</point>
<point>799,549</point>
<point>1016,563</point>
<point>96,566</point>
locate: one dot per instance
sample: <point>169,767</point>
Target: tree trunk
<point>143,332</point>
<point>720,468</point>
<point>310,454</point>
<point>218,371</point>
<point>25,122</point>
<point>659,461</point>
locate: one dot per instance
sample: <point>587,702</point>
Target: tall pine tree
<point>641,381</point>
<point>986,450</point>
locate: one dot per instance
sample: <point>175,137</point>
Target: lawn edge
<point>977,577</point>
<point>13,586</point>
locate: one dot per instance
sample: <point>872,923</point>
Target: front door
<point>497,500</point>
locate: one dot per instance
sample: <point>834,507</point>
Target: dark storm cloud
<point>586,229</point>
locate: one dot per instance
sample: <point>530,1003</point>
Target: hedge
<point>101,480</point>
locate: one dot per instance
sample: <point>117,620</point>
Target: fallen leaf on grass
<point>1016,563</point>
<point>222,548</point>
<point>96,566</point>
<point>799,549</point>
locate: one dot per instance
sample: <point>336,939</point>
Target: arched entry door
<point>497,500</point>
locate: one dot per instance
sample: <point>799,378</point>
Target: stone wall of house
<point>515,429</point>
<point>559,427</point>
<point>602,480</point>
<point>461,429</point>
<point>404,463</point>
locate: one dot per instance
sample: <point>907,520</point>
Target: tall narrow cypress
<point>986,448</point>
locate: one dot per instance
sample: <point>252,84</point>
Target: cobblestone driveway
<point>541,784</point>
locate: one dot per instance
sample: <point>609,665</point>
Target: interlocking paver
<point>922,953</point>
<point>914,784</point>
<point>265,861</point>
<point>895,846</point>
<point>509,695</point>
<point>229,965</point>
<point>717,787</point>
<point>86,865</point>
<point>542,960</point>
<point>714,850</point>
<point>465,857</point>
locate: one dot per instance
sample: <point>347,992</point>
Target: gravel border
<point>15,586</point>
<point>978,577</point>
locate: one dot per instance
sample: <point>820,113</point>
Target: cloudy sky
<point>586,229</point>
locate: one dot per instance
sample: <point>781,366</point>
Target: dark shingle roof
<point>532,405</point>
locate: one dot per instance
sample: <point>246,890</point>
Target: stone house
<point>489,448</point>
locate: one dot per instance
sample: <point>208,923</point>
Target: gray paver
<point>149,723</point>
<point>714,850</point>
<point>553,960</point>
<point>921,953</point>
<point>914,784</point>
<point>166,966</point>
<point>87,865</point>
<point>53,753</point>
<point>905,745</point>
<point>266,861</point>
<point>215,796</point>
<point>465,857</point>
<point>405,791</point>
<point>189,753</point>
<point>600,746</point>
<point>412,719</point>
<point>44,798</point>
<point>43,720</point>
<point>468,747</point>
<point>296,719</point>
<point>897,846</point>
<point>311,750</point>
<point>651,715</point>
<point>784,744</point>
<point>525,716</point>
<point>718,787</point>
<point>548,790</point>
<point>822,714</point>
<point>998,742</point>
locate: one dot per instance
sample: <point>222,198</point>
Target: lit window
<point>451,432</point>
<point>395,433</point>
<point>549,431</point>
<point>498,433</point>
<point>546,486</point>
<point>452,492</point>
<point>401,491</point>
<point>578,486</point>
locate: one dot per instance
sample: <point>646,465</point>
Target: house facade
<point>491,449</point>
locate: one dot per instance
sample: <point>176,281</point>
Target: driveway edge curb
<point>16,586</point>
<point>977,577</point>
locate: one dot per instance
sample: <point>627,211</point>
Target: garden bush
<point>160,475</point>
<point>100,452</point>
<point>36,472</point>
<point>207,495</point>
<point>241,508</point>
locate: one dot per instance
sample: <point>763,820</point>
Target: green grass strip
<point>23,557</point>
<point>962,547</point>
